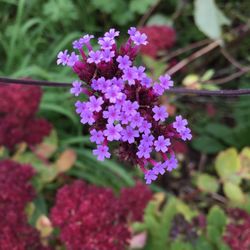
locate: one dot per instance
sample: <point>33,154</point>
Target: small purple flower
<point>139,38</point>
<point>104,84</point>
<point>100,84</point>
<point>62,57</point>
<point>77,44</point>
<point>146,82</point>
<point>147,140</point>
<point>130,107</point>
<point>112,114</point>
<point>107,55</point>
<point>95,84</point>
<point>136,120</point>
<point>132,31</point>
<point>119,83</point>
<point>112,132</point>
<point>96,136</point>
<point>112,33</point>
<point>140,72</point>
<point>186,134</point>
<point>95,104</point>
<point>87,117</point>
<point>180,123</point>
<point>76,89</point>
<point>159,168</point>
<point>160,113</point>
<point>124,62</point>
<point>106,43</point>
<point>161,144</point>
<point>101,152</point>
<point>145,127</point>
<point>171,163</point>
<point>129,134</point>
<point>144,151</point>
<point>80,107</point>
<point>113,93</point>
<point>95,57</point>
<point>130,75</point>
<point>150,176</point>
<point>86,39</point>
<point>125,118</point>
<point>158,89</point>
<point>166,81</point>
<point>73,58</point>
<point>120,102</point>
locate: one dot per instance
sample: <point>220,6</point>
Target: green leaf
<point>59,109</point>
<point>245,152</point>
<point>234,192</point>
<point>122,17</point>
<point>209,18</point>
<point>158,224</point>
<point>185,210</point>
<point>207,183</point>
<point>141,6</point>
<point>207,144</point>
<point>178,245</point>
<point>217,218</point>
<point>210,86</point>
<point>218,130</point>
<point>40,208</point>
<point>159,19</point>
<point>227,163</point>
<point>202,243</point>
<point>222,246</point>
<point>213,234</point>
<point>107,6</point>
<point>207,75</point>
<point>156,66</point>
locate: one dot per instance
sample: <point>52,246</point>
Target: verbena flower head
<point>123,104</point>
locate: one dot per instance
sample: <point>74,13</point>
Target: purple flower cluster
<point>123,103</point>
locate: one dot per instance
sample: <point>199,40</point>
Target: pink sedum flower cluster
<point>123,104</point>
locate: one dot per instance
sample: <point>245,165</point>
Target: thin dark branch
<point>4,80</point>
<point>179,91</point>
<point>228,92</point>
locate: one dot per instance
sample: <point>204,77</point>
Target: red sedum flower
<point>134,200</point>
<point>237,234</point>
<point>160,37</point>
<point>92,218</point>
<point>16,192</point>
<point>18,107</point>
